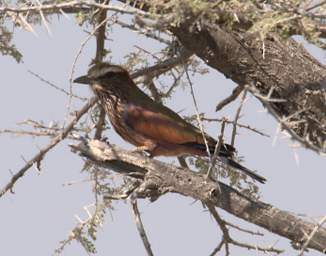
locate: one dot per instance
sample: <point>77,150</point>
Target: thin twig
<point>100,123</point>
<point>72,72</point>
<point>55,86</point>
<point>312,234</point>
<point>237,116</point>
<point>245,126</point>
<point>74,6</point>
<point>43,18</point>
<point>39,156</point>
<point>100,53</point>
<point>284,124</point>
<point>256,233</point>
<point>147,33</point>
<point>140,228</point>
<point>315,6</point>
<point>227,239</point>
<point>200,123</point>
<point>48,133</point>
<point>164,66</point>
<point>226,236</point>
<point>235,93</point>
<point>216,150</point>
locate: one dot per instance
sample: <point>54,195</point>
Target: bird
<point>147,124</point>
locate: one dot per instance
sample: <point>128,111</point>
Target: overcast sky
<point>41,212</point>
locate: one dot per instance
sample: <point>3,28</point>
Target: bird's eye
<point>103,75</point>
<point>109,74</point>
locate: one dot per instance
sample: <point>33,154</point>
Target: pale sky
<point>41,212</point>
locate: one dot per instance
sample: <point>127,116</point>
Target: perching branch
<point>157,178</point>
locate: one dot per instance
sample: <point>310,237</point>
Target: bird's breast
<point>117,113</point>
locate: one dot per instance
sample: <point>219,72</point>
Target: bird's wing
<point>161,126</point>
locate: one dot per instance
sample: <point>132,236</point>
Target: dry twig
<point>39,156</point>
<point>312,234</point>
<point>141,228</point>
<point>237,116</point>
<point>235,93</point>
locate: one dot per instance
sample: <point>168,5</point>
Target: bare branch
<point>226,236</point>
<point>100,53</point>
<point>100,123</point>
<point>39,156</point>
<point>200,123</point>
<point>235,93</point>
<point>140,227</point>
<point>216,150</point>
<point>237,116</point>
<point>163,66</point>
<point>145,32</point>
<point>55,86</point>
<point>157,178</point>
<point>256,233</point>
<point>239,125</point>
<point>77,56</point>
<point>72,7</point>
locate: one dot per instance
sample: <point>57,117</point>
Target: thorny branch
<point>38,157</point>
<point>158,178</point>
<point>72,7</point>
<point>55,86</point>
<point>227,121</point>
<point>285,124</point>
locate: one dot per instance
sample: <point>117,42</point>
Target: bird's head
<point>105,76</point>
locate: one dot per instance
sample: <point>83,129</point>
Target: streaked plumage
<point>147,124</point>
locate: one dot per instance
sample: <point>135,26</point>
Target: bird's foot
<point>105,139</point>
<point>143,150</point>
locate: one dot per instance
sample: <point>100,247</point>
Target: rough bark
<point>272,65</point>
<point>157,178</point>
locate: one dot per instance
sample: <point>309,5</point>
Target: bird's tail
<point>226,154</point>
<point>238,166</point>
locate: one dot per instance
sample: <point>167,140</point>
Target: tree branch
<point>157,178</point>
<point>277,68</point>
<point>141,228</point>
<point>39,156</point>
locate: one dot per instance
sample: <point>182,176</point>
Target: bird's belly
<point>128,134</point>
<point>169,149</point>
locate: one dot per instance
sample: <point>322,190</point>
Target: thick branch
<point>158,178</point>
<point>272,64</point>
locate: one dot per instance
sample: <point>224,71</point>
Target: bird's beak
<point>82,80</point>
